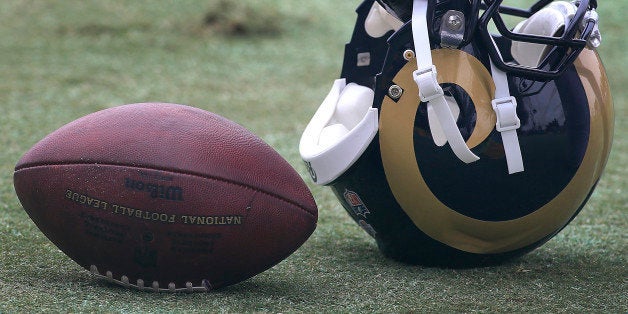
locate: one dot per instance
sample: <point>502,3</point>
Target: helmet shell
<point>424,206</point>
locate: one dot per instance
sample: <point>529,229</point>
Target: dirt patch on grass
<point>243,18</point>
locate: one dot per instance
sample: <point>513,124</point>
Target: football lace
<point>154,286</point>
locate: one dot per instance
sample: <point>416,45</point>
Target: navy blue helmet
<point>464,132</point>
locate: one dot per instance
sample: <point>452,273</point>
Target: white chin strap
<point>437,105</point>
<point>429,90</point>
<point>505,107</point>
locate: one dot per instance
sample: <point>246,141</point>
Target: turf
<point>266,67</point>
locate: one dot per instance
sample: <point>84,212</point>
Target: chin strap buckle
<point>426,80</point>
<point>506,112</point>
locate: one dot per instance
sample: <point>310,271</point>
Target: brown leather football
<point>165,197</point>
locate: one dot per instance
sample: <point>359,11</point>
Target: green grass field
<point>268,68</point>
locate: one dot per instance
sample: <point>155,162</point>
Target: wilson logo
<point>170,193</point>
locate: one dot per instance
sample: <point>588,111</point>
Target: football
<point>165,197</point>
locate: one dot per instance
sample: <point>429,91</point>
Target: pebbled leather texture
<point>165,193</point>
<point>171,137</point>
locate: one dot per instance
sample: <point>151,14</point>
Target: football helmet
<point>464,132</point>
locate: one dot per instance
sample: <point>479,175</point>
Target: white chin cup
<point>340,131</point>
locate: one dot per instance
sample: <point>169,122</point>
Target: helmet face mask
<point>579,29</point>
<point>404,182</point>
